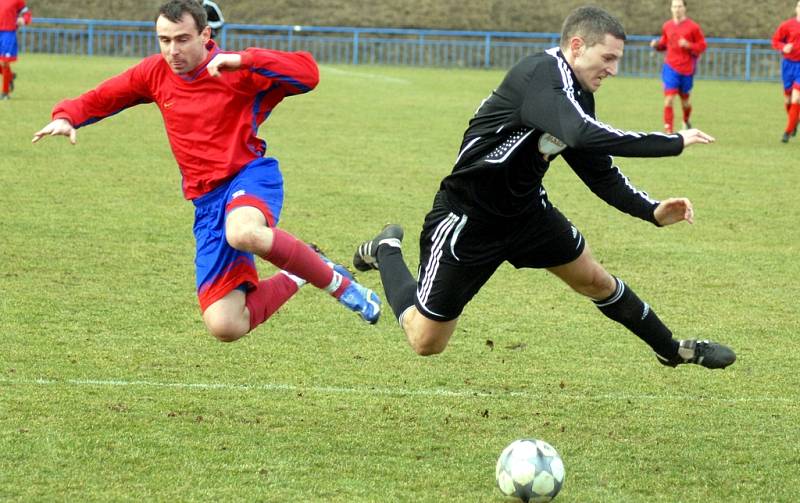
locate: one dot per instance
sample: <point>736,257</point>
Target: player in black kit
<point>493,208</point>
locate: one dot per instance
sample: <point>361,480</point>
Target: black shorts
<point>458,255</point>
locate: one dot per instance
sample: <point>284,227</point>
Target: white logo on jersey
<point>237,194</point>
<point>550,145</point>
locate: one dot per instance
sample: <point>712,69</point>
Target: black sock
<point>398,283</point>
<point>626,308</point>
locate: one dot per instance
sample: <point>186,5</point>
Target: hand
<point>20,22</point>
<point>788,48</point>
<point>683,43</point>
<point>692,136</point>
<point>224,62</point>
<point>59,127</point>
<point>654,42</point>
<point>674,210</point>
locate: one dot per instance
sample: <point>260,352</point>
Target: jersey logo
<point>550,145</point>
<point>169,104</point>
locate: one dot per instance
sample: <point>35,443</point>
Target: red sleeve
<point>662,42</point>
<point>110,97</point>
<point>27,17</point>
<point>295,72</point>
<point>779,38</point>
<point>698,44</point>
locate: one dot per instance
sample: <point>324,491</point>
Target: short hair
<point>592,24</point>
<point>175,9</point>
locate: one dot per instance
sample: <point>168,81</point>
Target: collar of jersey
<point>213,50</point>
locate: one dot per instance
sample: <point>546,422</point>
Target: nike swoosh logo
<point>168,105</point>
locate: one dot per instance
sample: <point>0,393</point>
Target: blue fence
<point>725,58</point>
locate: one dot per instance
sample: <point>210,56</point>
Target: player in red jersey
<point>13,14</point>
<point>212,103</point>
<point>684,42</point>
<point>787,40</point>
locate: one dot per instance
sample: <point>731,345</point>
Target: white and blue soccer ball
<point>531,470</point>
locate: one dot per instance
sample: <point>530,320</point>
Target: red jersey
<point>211,122</point>
<point>788,33</point>
<point>10,10</point>
<point>682,59</point>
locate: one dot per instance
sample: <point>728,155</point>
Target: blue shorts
<point>790,71</point>
<point>219,267</point>
<point>674,82</point>
<point>8,45</point>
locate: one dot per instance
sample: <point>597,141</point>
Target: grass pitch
<point>110,389</point>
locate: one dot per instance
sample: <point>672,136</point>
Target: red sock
<point>268,296</point>
<point>294,256</point>
<point>794,113</point>
<point>687,111</point>
<point>669,118</point>
<point>6,78</point>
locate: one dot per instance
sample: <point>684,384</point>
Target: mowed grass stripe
<point>432,392</point>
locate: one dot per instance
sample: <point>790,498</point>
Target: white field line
<point>425,392</point>
<point>365,75</point>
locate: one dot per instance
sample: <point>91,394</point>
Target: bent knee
<point>427,348</point>
<point>426,342</point>
<point>597,285</point>
<point>244,238</point>
<point>224,330</point>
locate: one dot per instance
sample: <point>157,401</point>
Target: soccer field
<point>111,390</point>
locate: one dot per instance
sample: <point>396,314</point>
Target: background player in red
<point>212,103</point>
<point>787,40</point>
<point>13,14</point>
<point>684,42</point>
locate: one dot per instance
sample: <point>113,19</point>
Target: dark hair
<point>175,9</point>
<point>592,24</point>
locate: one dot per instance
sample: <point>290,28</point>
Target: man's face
<point>182,46</point>
<point>595,63</point>
<point>678,9</point>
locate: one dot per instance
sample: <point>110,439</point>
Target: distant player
<point>787,40</point>
<point>214,15</point>
<point>684,42</point>
<point>212,103</point>
<point>492,208</point>
<point>13,15</point>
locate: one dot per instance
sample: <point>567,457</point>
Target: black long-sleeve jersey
<point>538,112</point>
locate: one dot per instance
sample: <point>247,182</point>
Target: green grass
<point>110,388</point>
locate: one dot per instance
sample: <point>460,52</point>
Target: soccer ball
<point>531,470</point>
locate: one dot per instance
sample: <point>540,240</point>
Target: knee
<point>425,343</point>
<point>242,237</point>
<point>425,347</point>
<point>224,330</point>
<point>598,284</point>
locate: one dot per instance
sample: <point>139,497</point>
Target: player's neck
<point>677,20</point>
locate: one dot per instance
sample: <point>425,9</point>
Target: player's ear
<point>577,45</point>
<point>206,33</point>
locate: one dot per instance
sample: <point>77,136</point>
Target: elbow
<point>312,71</point>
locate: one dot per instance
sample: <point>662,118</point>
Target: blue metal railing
<point>725,58</point>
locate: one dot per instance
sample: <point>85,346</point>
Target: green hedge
<point>751,19</point>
